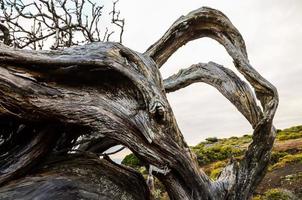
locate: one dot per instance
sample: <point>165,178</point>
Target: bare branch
<point>207,22</point>
<point>116,19</point>
<point>224,80</point>
<point>203,22</point>
<point>42,24</point>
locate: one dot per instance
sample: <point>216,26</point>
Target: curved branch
<point>207,22</point>
<point>203,22</point>
<point>224,80</point>
<point>240,95</point>
<point>96,145</point>
<point>19,160</point>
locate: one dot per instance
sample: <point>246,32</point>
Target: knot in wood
<point>157,109</point>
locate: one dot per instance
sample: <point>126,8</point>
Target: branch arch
<point>207,22</point>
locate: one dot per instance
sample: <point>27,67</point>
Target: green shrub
<point>210,151</point>
<point>277,194</point>
<point>294,129</point>
<point>157,194</point>
<point>215,169</point>
<point>132,161</point>
<point>276,156</point>
<point>290,133</point>
<point>287,159</point>
<point>219,164</point>
<point>278,130</point>
<point>212,139</point>
<point>159,190</point>
<point>247,136</point>
<point>216,152</point>
<point>215,173</point>
<point>258,197</point>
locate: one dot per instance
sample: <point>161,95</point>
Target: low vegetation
<point>290,133</point>
<point>132,161</point>
<point>213,155</point>
<point>282,162</point>
<point>209,151</point>
<point>276,194</point>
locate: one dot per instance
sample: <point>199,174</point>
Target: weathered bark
<point>224,80</point>
<point>109,90</point>
<point>96,145</point>
<point>5,34</point>
<point>78,177</point>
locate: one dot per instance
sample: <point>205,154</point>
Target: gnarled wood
<point>224,80</point>
<point>207,22</point>
<point>115,93</point>
<point>78,177</point>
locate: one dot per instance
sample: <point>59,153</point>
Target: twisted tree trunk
<point>113,95</point>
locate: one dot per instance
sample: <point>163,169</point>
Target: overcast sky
<point>272,30</point>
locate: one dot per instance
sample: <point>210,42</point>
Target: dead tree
<point>110,94</point>
<point>56,24</point>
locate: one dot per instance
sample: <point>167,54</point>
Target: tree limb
<point>224,80</point>
<point>203,22</point>
<point>207,22</point>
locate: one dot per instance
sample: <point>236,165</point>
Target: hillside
<point>284,177</point>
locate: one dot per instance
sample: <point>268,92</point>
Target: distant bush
<point>215,169</point>
<point>276,156</point>
<point>257,197</point>
<point>215,173</point>
<point>294,129</point>
<point>159,192</point>
<point>278,194</point>
<point>247,136</point>
<point>214,149</point>
<point>290,133</point>
<point>212,139</point>
<point>278,130</point>
<point>132,161</point>
<point>286,160</point>
<point>216,152</point>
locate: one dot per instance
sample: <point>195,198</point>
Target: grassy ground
<point>283,180</point>
<point>284,177</point>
